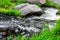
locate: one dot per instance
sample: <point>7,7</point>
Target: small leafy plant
<point>5,3</point>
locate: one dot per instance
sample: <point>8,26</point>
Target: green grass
<point>52,4</point>
<point>10,12</point>
<point>7,7</point>
<point>54,34</point>
<point>16,37</point>
<point>19,2</point>
<point>5,3</point>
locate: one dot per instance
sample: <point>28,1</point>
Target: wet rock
<point>6,22</point>
<point>33,25</point>
<point>7,26</point>
<point>51,25</point>
<point>26,27</point>
<point>32,29</point>
<point>18,7</point>
<point>58,13</point>
<point>50,14</point>
<point>30,9</point>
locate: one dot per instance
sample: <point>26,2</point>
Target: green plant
<point>10,12</point>
<point>52,4</point>
<point>6,3</point>
<point>39,5</point>
<point>16,37</point>
<point>2,10</point>
<point>46,34</point>
<point>56,29</point>
<point>19,2</point>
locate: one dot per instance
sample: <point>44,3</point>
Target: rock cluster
<point>33,23</point>
<point>31,9</point>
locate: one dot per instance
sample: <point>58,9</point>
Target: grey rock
<point>30,9</point>
<point>51,25</point>
<point>36,1</point>
<point>18,7</point>
<point>35,30</point>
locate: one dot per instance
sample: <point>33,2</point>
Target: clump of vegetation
<point>16,37</point>
<point>19,2</point>
<point>56,29</point>
<point>6,7</point>
<point>10,12</point>
<point>49,4</point>
<point>5,3</point>
<point>52,4</point>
